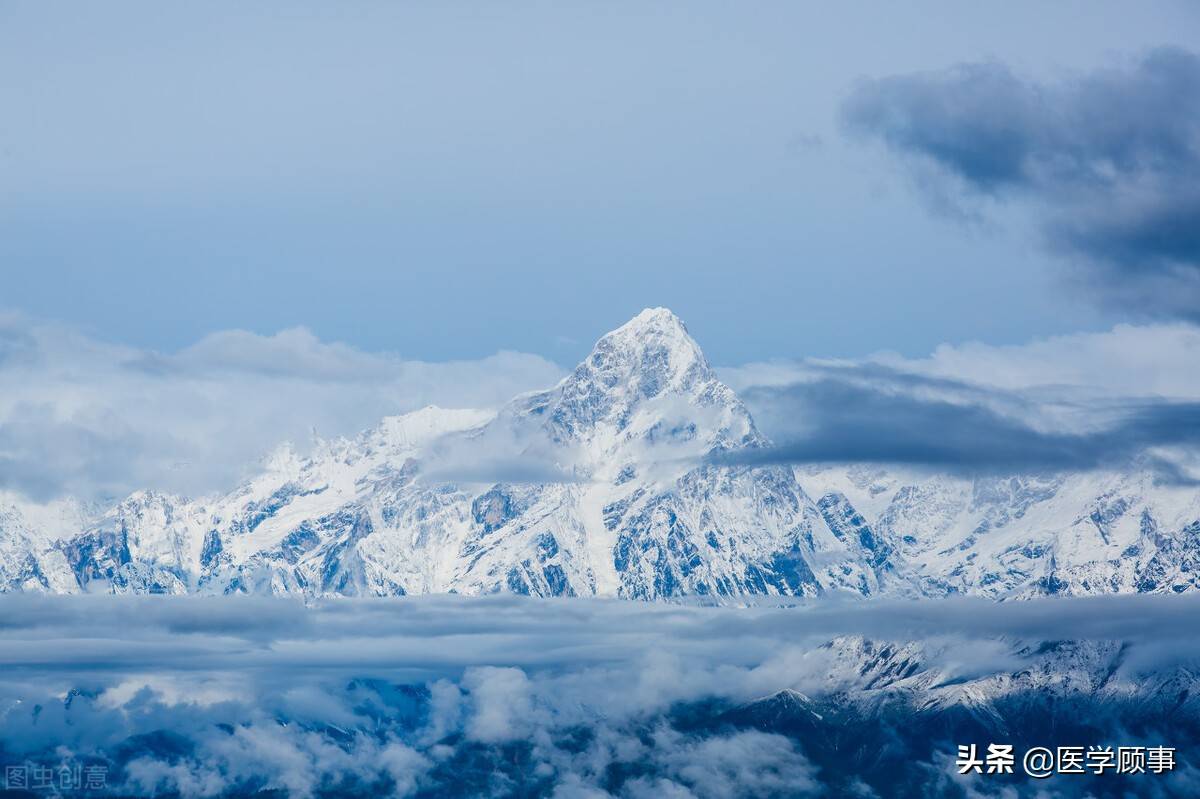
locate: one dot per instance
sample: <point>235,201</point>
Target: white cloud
<point>465,695</point>
<point>93,419</point>
<point>743,763</point>
<point>503,703</point>
<point>1127,361</point>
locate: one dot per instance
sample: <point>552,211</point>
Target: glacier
<point>606,485</point>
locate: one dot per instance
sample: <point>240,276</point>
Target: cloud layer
<point>872,414</point>
<point>495,695</point>
<point>1087,401</point>
<point>91,419</point>
<point>1110,160</point>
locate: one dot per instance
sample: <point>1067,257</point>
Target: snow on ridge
<point>620,507</point>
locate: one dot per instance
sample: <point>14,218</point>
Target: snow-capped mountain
<point>879,708</point>
<point>1025,535</point>
<point>604,485</point>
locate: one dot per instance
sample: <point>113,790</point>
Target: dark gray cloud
<point>870,413</point>
<point>1111,158</point>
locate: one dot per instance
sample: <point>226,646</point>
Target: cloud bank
<point>1112,400</point>
<point>865,414</point>
<point>91,419</point>
<point>1110,160</point>
<point>437,696</point>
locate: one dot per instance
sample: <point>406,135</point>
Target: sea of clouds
<point>445,695</point>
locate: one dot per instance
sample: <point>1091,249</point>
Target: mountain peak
<point>656,318</point>
<point>656,340</point>
<point>657,324</point>
<point>651,352</point>
<point>648,381</point>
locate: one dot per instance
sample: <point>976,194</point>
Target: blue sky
<point>448,182</point>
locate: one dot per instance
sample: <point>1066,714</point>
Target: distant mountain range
<point>605,485</point>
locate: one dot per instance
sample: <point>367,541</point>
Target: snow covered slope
<point>1023,535</point>
<point>593,487</point>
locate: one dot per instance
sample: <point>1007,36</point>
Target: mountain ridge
<point>604,485</point>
